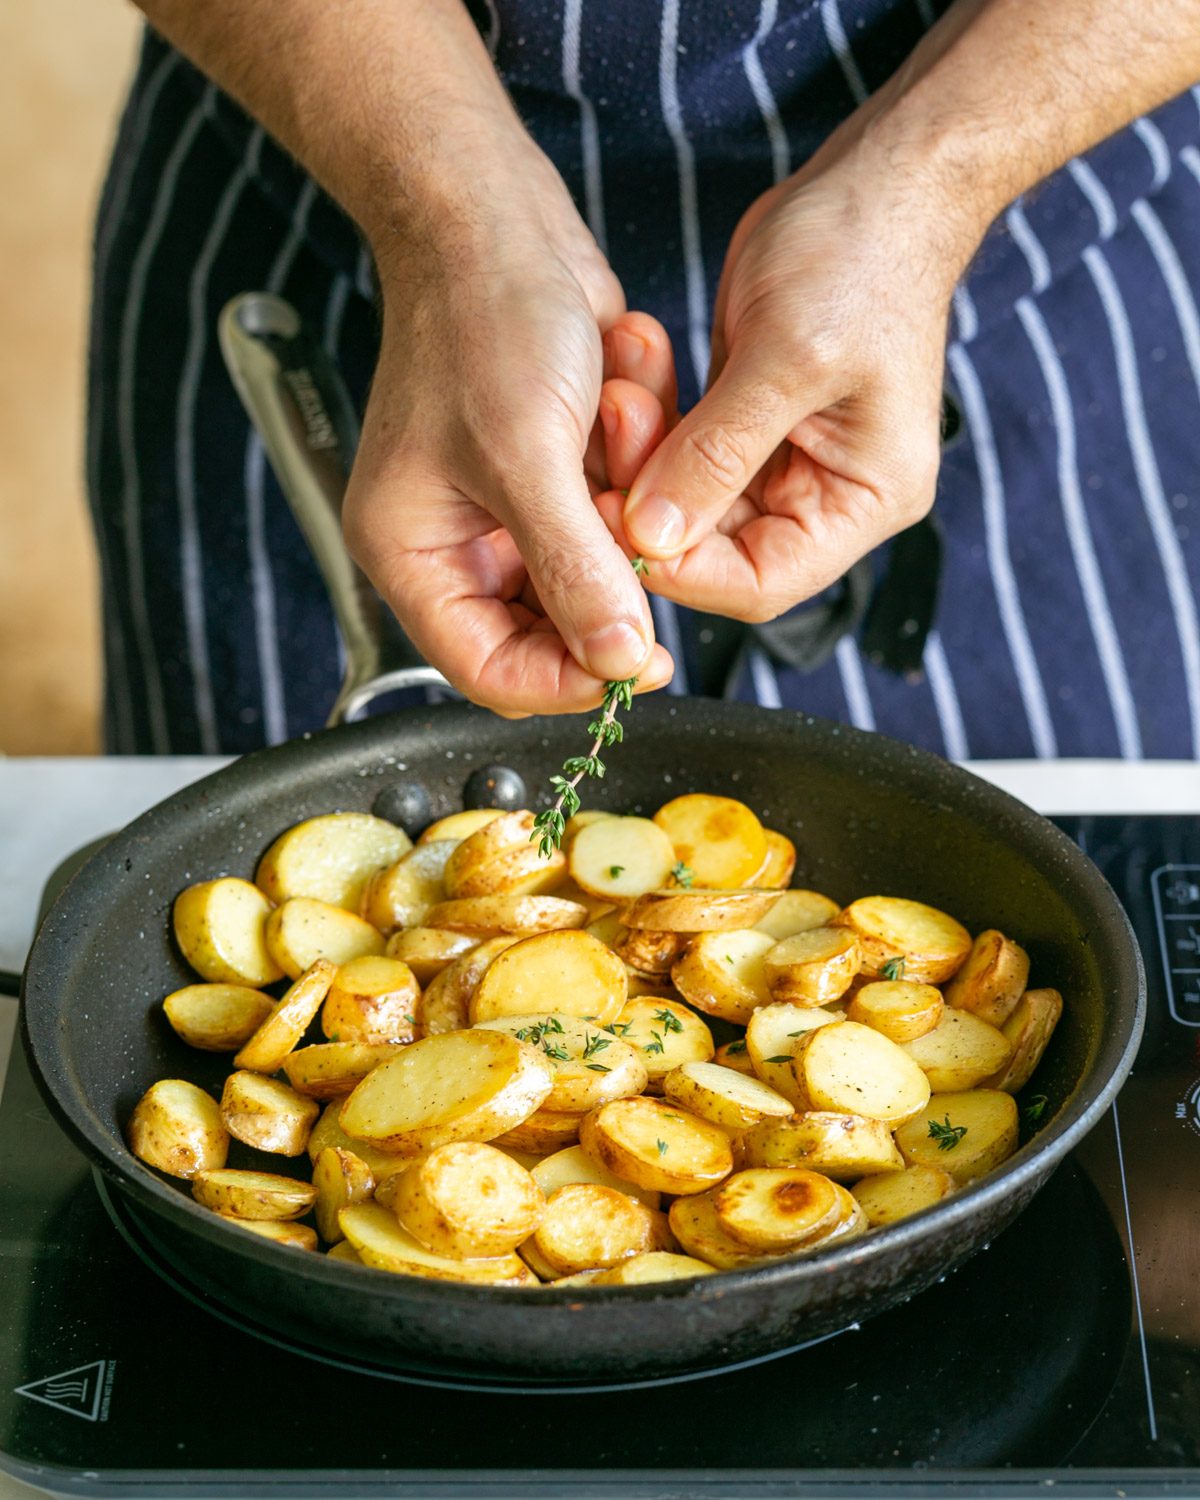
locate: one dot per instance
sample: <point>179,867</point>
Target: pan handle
<point>300,409</point>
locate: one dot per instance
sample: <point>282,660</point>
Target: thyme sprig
<point>893,970</point>
<point>606,730</point>
<point>946,1135</point>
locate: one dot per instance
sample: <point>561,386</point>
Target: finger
<point>711,456</point>
<point>634,424</point>
<point>638,348</point>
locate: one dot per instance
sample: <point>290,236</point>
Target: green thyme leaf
<point>639,564</point>
<point>738,1046</point>
<point>683,875</point>
<point>1035,1109</point>
<point>781,1057</point>
<point>595,1044</point>
<point>893,969</point>
<point>662,1147</point>
<point>946,1135</point>
<point>669,1019</point>
<point>614,871</point>
<point>598,1068</point>
<point>655,1046</point>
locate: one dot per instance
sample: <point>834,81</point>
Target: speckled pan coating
<point>868,815</point>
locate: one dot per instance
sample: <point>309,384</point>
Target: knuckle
<point>720,452</point>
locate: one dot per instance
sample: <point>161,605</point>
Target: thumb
<point>707,461</point>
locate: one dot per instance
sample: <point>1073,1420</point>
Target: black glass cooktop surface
<point>1065,1356</point>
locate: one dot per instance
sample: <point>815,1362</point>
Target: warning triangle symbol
<point>77,1392</point>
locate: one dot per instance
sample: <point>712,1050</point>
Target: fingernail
<point>617,650</point>
<point>656,523</point>
<point>630,350</point>
<point>609,416</point>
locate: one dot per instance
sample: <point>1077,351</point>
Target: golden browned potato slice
<point>267,1114</point>
<point>965,1134</point>
<point>735,1055</point>
<point>446,1004</point>
<point>651,1265</point>
<point>400,895</point>
<point>570,972</point>
<point>666,1032</point>
<point>340,1178</point>
<point>777,868</point>
<point>723,1097</point>
<point>578,822</point>
<point>589,1064</point>
<point>372,1000</point>
<point>719,840</point>
<point>468,1201</point>
<point>619,858</point>
<point>776,1208</point>
<point>699,911</point>
<point>177,1128</point>
<point>853,1223</point>
<point>500,857</point>
<point>652,986</point>
<point>220,926</point>
<point>771,1036</point>
<point>992,979</point>
<point>331,1069</point>
<point>656,1145</point>
<point>1028,1031</point>
<point>429,950</point>
<point>648,952</point>
<point>797,911</point>
<point>302,930</point>
<point>330,858</point>
<point>252,1195</point>
<point>465,1085</point>
<point>541,1134</point>
<point>460,825</point>
<point>513,913</point>
<point>291,1236</point>
<point>288,1021</point>
<point>814,967</point>
<point>842,1146</point>
<point>959,1052</point>
<point>383,1242</point>
<point>900,1010</point>
<point>607,928</point>
<point>893,1196</point>
<point>587,1227</point>
<point>344,1250</point>
<point>596,906</point>
<point>932,944</point>
<point>854,1070</point>
<point>328,1132</point>
<point>723,973</point>
<point>573,1164</point>
<point>217,1017</point>
<point>695,1225</point>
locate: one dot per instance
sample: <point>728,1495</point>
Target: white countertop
<point>49,808</point>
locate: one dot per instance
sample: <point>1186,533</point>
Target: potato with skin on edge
<point>657,1145</point>
<point>931,943</point>
<point>723,1097</point>
<point>648,952</point>
<point>501,858</point>
<point>401,894</point>
<point>894,1196</point>
<point>695,1225</point>
<point>814,967</point>
<point>344,1250</point>
<point>446,1003</point>
<point>719,839</point>
<point>340,1178</point>
<point>777,868</point>
<point>619,858</point>
<point>587,1227</point>
<point>667,1033</point>
<point>221,926</point>
<point>772,1034</point>
<point>693,911</point>
<point>652,1265</point>
<point>588,1064</point>
<point>776,1208</point>
<point>992,979</point>
<point>177,1128</point>
<point>797,911</point>
<point>267,1114</point>
<point>302,931</point>
<point>570,972</point>
<point>543,1133</point>
<point>960,1052</point>
<point>372,1000</point>
<point>573,1164</point>
<point>383,1243</point>
<point>510,912</point>
<point>330,858</point>
<point>265,1051</point>
<point>460,825</point>
<point>331,1070</point>
<point>736,1057</point>
<point>964,1134</point>
<point>899,1010</point>
<point>252,1195</point>
<point>1028,1031</point>
<point>467,1200</point>
<point>216,1017</point>
<point>429,950</point>
<point>291,1236</point>
<point>854,1070</point>
<point>328,1132</point>
<point>840,1145</point>
<point>724,974</point>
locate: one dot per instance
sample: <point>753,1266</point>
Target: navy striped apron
<point>1069,501</point>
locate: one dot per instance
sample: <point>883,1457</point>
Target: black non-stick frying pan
<point>868,815</point>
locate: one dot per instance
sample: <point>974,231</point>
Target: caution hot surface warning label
<point>83,1391</point>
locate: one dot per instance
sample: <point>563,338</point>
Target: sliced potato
<point>619,858</point>
<point>573,1164</point>
<point>252,1195</point>
<point>446,1004</point>
<point>303,930</point>
<point>468,1200</point>
<point>1028,1031</point>
<point>465,1085</point>
<point>725,1098</point>
<point>400,895</point>
<point>892,1196</point>
<point>666,1033</point>
<point>649,952</point>
<point>328,1132</point>
<point>797,911</point>
<point>964,1134</point>
<point>776,870</point>
<point>291,1236</point>
<point>656,1145</point>
<point>501,857</point>
<point>736,1056</point>
<point>340,1178</point>
<point>959,1052</point>
<point>717,838</point>
<point>288,1021</point>
<point>771,1036</point>
<point>932,944</point>
<point>678,910</point>
<point>429,950</point>
<point>588,1064</point>
<point>587,1227</point>
<point>695,1225</point>
<point>220,926</point>
<point>460,825</point>
<point>854,1070</point>
<point>542,1133</point>
<point>330,858</point>
<point>900,1010</point>
<point>813,967</point>
<point>651,1265</point>
<point>331,1069</point>
<point>177,1128</point>
<point>776,1208</point>
<point>383,1242</point>
<point>511,912</point>
<point>842,1146</point>
<point>596,906</point>
<point>992,979</point>
<point>344,1250</point>
<point>217,1017</point>
<point>372,1000</point>
<point>723,973</point>
<point>577,823</point>
<point>571,973</point>
<point>267,1114</point>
